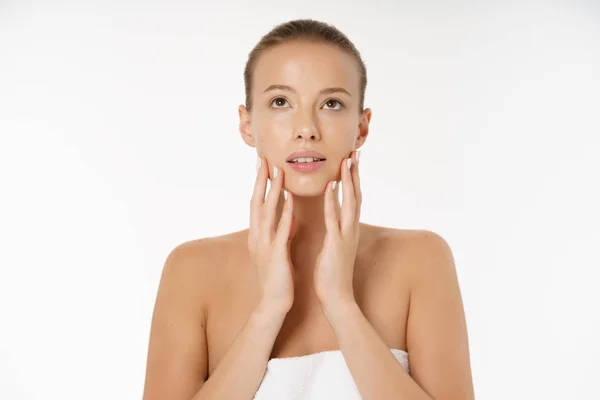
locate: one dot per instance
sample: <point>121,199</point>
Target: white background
<point>119,140</point>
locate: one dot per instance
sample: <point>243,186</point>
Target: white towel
<point>319,376</point>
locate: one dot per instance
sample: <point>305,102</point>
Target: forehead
<point>308,67</point>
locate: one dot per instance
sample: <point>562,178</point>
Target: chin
<point>308,188</point>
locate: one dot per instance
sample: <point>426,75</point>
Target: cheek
<point>342,122</point>
<point>270,140</point>
<point>343,133</point>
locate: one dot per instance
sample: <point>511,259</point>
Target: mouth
<point>306,164</point>
<point>304,160</point>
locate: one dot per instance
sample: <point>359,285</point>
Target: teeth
<point>305,160</point>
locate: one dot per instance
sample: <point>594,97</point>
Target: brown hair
<point>307,30</point>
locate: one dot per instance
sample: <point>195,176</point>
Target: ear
<point>245,126</point>
<point>363,127</point>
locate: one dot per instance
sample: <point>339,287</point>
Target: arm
<point>436,336</point>
<point>177,352</point>
<point>375,370</point>
<point>241,370</point>
<point>178,356</point>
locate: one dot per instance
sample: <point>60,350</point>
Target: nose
<point>307,135</point>
<point>306,128</point>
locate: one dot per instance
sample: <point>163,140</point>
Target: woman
<point>308,302</point>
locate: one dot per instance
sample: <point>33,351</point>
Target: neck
<point>309,230</point>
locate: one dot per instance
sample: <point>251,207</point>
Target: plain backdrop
<point>119,141</point>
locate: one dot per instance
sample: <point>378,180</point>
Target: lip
<point>306,167</point>
<point>306,154</point>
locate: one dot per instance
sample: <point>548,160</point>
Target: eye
<point>279,101</point>
<point>333,102</point>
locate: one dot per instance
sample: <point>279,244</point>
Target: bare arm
<point>177,353</point>
<point>437,335</point>
<point>178,357</point>
<point>241,370</point>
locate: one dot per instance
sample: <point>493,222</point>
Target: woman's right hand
<point>268,244</point>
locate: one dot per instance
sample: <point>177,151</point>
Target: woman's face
<point>305,97</point>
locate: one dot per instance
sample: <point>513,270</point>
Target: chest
<point>381,294</point>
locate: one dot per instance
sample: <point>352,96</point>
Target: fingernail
<point>333,185</point>
<point>285,194</point>
<point>275,172</point>
<point>357,155</point>
<point>349,163</point>
<point>258,163</point>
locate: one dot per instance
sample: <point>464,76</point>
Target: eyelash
<point>328,100</point>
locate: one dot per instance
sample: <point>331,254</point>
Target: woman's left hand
<point>334,268</point>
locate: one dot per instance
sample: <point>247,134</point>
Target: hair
<point>303,30</point>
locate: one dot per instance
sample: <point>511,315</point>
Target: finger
<point>331,223</point>
<point>284,228</point>
<point>356,182</point>
<point>293,229</point>
<point>258,195</point>
<point>270,206</point>
<point>348,214</point>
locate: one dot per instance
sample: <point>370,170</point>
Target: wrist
<point>269,309</point>
<point>335,309</point>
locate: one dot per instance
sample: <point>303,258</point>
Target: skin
<point>353,283</point>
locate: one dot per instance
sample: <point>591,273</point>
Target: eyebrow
<point>323,91</point>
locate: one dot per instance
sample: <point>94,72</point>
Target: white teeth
<point>305,160</point>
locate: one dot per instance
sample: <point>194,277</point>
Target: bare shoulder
<point>208,246</point>
<point>423,251</point>
<point>188,254</point>
<point>396,236</point>
<point>432,259</point>
<point>437,337</point>
<point>177,363</point>
<point>418,249</point>
<point>202,261</point>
